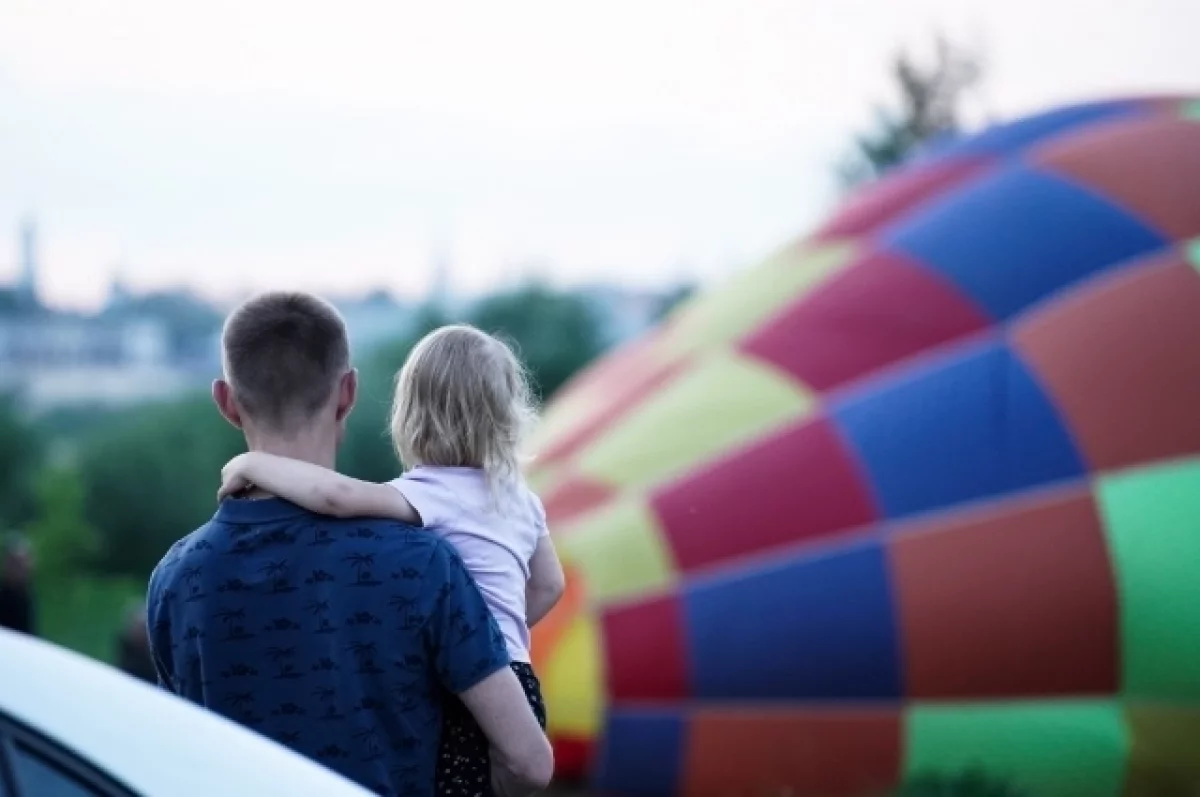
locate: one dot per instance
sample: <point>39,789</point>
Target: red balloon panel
<point>1016,600</point>
<point>1119,360</point>
<point>831,752</point>
<point>629,632</point>
<point>800,484</point>
<point>575,496</point>
<point>1151,167</point>
<point>881,310</point>
<point>899,194</point>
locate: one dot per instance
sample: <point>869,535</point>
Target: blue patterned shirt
<point>337,638</point>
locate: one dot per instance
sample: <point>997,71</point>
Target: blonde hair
<point>463,400</point>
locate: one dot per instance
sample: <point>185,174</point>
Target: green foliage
<point>929,100</point>
<point>64,543</point>
<point>21,452</point>
<point>151,477</point>
<point>75,609</point>
<point>69,423</point>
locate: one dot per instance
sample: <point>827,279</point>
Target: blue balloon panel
<point>970,425</point>
<point>1015,137</point>
<point>817,627</point>
<point>642,753</point>
<point>1019,235</point>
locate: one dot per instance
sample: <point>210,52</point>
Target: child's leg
<point>464,766</point>
<point>533,690</point>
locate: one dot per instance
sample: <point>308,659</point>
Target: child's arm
<point>546,581</point>
<point>315,488</point>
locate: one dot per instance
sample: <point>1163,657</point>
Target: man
<point>334,637</point>
<point>16,588</point>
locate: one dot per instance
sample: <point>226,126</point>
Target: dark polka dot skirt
<point>464,767</point>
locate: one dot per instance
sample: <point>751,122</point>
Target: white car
<point>72,727</point>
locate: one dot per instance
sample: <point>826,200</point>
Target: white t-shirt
<point>495,536</point>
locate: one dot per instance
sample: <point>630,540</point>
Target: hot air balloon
<point>919,494</point>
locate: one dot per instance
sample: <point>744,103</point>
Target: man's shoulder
<point>172,563</point>
<point>388,538</point>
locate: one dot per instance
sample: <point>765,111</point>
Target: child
<point>461,411</point>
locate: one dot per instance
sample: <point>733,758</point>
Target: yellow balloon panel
<point>723,401</point>
<point>620,550</point>
<point>1163,758</point>
<point>724,316</point>
<point>623,373</point>
<point>572,681</point>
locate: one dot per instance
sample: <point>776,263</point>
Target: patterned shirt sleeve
<point>464,642</point>
<point>158,631</point>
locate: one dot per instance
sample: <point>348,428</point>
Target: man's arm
<point>471,660</point>
<point>524,763</point>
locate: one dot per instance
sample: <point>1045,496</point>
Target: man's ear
<point>222,395</point>
<point>347,393</point>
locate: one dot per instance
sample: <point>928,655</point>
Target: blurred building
<point>131,351</point>
<point>374,319</point>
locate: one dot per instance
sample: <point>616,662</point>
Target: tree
<point>929,108</point>
<point>21,451</point>
<point>75,608</point>
<point>65,543</point>
<point>151,476</point>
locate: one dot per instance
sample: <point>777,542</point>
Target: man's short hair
<point>284,354</point>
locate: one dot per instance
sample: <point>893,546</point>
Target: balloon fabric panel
<point>1013,137</point>
<point>898,194</point>
<point>827,649</point>
<point>643,753</point>
<point>882,310</point>
<point>1162,758</point>
<point>799,485</point>
<point>1011,239</point>
<point>775,750</point>
<point>1014,599</point>
<point>1150,167</point>
<point>1127,382</point>
<point>1070,748</point>
<point>657,624</point>
<point>1152,516</point>
<point>976,426</point>
<point>575,495</point>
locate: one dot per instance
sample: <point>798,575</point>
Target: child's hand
<point>233,478</point>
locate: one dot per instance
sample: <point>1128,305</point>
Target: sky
<point>232,146</point>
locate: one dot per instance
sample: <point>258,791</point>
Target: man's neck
<point>318,448</point>
<point>318,453</point>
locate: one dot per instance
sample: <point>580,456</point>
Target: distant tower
<point>28,276</point>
